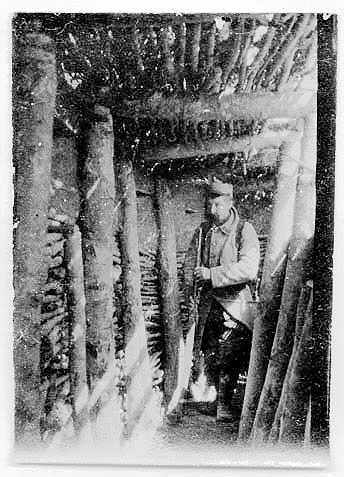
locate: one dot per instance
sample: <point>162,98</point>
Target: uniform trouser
<point>226,352</point>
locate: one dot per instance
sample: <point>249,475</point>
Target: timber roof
<point>182,80</point>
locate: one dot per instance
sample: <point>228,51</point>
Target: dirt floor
<point>196,439</point>
<point>197,427</point>
<point>198,423</point>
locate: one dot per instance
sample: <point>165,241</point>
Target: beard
<point>216,220</point>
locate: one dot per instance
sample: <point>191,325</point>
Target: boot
<point>224,399</point>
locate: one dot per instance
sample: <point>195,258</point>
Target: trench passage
<point>198,427</point>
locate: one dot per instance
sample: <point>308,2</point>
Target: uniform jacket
<point>230,269</point>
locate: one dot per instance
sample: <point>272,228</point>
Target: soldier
<point>229,261</point>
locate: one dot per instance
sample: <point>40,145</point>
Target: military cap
<point>217,187</point>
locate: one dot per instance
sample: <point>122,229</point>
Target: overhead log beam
<point>291,104</point>
<point>265,140</point>
<point>126,20</point>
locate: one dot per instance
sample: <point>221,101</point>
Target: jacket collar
<point>231,223</point>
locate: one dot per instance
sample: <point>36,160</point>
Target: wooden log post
<point>65,196</point>
<point>136,361</point>
<point>304,310</point>
<point>33,112</point>
<point>169,295</point>
<point>305,205</point>
<point>299,258</point>
<point>294,416</point>
<point>304,305</point>
<point>76,309</point>
<point>272,278</point>
<point>96,220</point>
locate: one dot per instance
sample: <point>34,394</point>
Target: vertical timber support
<point>169,295</point>
<point>136,361</point>
<point>97,218</point>
<point>304,307</point>
<point>298,266</point>
<point>272,278</point>
<point>77,315</point>
<point>33,113</point>
<point>296,405</point>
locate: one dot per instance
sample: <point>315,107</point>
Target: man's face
<point>220,208</point>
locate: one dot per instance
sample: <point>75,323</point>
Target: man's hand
<point>202,274</point>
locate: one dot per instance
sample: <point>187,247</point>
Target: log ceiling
<point>156,71</point>
<point>136,57</point>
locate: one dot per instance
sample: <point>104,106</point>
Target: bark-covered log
<point>136,362</point>
<point>230,107</point>
<point>260,58</point>
<point>211,41</point>
<point>168,66</point>
<point>289,47</point>
<point>193,36</point>
<point>179,56</point>
<point>33,111</point>
<point>169,293</point>
<point>282,38</point>
<point>77,316</point>
<point>299,259</point>
<point>287,67</point>
<point>97,219</point>
<point>272,279</point>
<point>303,309</point>
<point>310,64</point>
<point>243,60</point>
<point>65,197</point>
<point>294,416</point>
<point>229,66</point>
<point>267,139</point>
<point>137,50</point>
